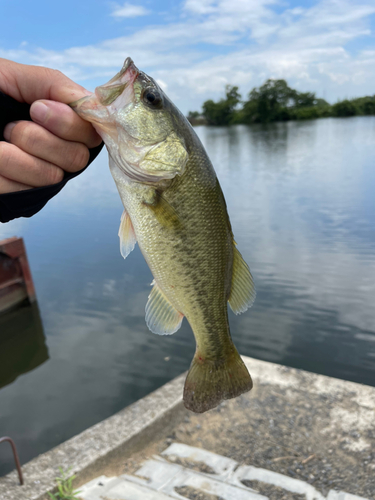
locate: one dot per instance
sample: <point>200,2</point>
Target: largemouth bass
<point>175,210</point>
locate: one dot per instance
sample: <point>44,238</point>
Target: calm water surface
<point>302,206</point>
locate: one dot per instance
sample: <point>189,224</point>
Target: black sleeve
<point>29,202</point>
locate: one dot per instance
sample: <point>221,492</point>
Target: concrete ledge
<point>122,434</point>
<point>306,410</point>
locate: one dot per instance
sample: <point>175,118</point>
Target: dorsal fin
<point>127,235</point>
<point>242,294</point>
<point>161,317</point>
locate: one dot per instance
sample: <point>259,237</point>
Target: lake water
<point>301,198</point>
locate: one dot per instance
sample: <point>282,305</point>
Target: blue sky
<point>195,47</point>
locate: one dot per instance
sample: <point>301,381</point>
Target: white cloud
<point>129,10</point>
<point>240,42</point>
<point>200,6</point>
<point>162,84</point>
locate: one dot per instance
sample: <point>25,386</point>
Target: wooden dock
<point>16,284</point>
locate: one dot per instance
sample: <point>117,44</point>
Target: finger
<point>62,121</point>
<point>40,143</point>
<point>29,83</point>
<point>16,165</point>
<point>8,186</point>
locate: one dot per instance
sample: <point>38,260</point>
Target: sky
<point>193,48</point>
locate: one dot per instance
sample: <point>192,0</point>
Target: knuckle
<point>5,155</point>
<point>68,129</point>
<point>55,175</point>
<point>80,157</point>
<point>26,134</point>
<point>55,74</point>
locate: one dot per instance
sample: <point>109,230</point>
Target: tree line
<point>276,101</point>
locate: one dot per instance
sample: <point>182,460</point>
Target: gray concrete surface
<point>223,479</point>
<point>304,426</point>
<point>105,443</point>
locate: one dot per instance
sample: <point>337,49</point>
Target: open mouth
<point>128,73</point>
<point>109,92</point>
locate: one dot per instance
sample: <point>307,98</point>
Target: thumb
<point>29,83</point>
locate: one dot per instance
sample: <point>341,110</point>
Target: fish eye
<point>153,98</point>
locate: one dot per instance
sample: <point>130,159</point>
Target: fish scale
<point>175,210</point>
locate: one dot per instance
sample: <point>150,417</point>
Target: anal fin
<point>242,294</point>
<point>161,316</point>
<point>127,235</point>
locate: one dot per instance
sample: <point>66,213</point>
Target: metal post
<point>15,455</point>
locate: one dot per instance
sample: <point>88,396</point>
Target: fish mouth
<point>128,72</point>
<point>104,95</point>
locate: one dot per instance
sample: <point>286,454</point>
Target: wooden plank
<point>16,282</point>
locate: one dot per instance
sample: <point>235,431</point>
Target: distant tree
<point>222,112</point>
<point>276,101</point>
<point>369,107</point>
<point>196,118</point>
<point>365,105</point>
<point>344,108</point>
<point>193,115</point>
<point>307,113</point>
<point>266,103</point>
<point>321,102</point>
<point>233,96</point>
<point>303,99</point>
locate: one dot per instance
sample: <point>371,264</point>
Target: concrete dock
<point>295,436</point>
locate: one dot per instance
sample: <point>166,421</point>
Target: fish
<point>175,210</point>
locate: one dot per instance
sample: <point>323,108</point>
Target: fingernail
<point>8,130</point>
<point>39,111</point>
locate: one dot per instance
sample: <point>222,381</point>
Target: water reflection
<point>300,198</point>
<point>22,343</point>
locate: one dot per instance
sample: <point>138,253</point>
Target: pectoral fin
<point>161,317</point>
<point>163,210</point>
<point>242,294</point>
<point>127,235</point>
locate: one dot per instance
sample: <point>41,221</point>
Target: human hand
<point>38,153</point>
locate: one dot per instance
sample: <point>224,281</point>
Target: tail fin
<point>211,381</point>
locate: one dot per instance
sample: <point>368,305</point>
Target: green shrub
<point>64,487</point>
<point>344,108</point>
<point>312,112</point>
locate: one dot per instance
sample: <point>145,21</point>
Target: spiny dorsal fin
<point>242,294</point>
<point>127,235</point>
<point>161,317</point>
